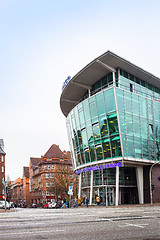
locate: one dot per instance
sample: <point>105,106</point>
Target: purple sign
<point>111,165</point>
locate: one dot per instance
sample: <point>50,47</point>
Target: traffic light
<point>152,186</point>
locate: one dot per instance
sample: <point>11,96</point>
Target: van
<point>2,205</point>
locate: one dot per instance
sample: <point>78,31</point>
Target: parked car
<point>46,205</point>
<point>2,205</point>
<point>52,205</point>
<point>34,205</point>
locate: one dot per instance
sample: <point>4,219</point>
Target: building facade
<point>2,170</point>
<point>51,175</point>
<point>113,121</point>
<point>20,193</point>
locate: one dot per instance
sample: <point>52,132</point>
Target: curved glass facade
<point>93,126</point>
<point>116,119</point>
<point>94,129</point>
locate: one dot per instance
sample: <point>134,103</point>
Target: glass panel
<point>106,148</point>
<point>122,122</point>
<point>120,99</point>
<point>86,110</point>
<point>138,148</point>
<point>109,100</point>
<point>100,104</point>
<point>96,132</point>
<point>130,147</point>
<point>145,149</point>
<point>116,147</point>
<point>136,121</point>
<point>92,151</point>
<point>93,109</point>
<point>143,107</point>
<point>99,152</point>
<point>129,124</point>
<point>103,126</point>
<point>144,128</point>
<point>113,124</point>
<point>135,104</point>
<point>127,100</point>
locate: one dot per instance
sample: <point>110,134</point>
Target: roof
<point>2,147</point>
<point>1,151</point>
<point>34,162</point>
<point>94,71</point>
<point>54,152</point>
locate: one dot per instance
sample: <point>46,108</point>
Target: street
<point>142,222</point>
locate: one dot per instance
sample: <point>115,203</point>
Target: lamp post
<point>150,181</point>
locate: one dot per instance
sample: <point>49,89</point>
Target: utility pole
<point>150,181</point>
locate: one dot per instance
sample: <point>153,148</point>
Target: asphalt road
<point>93,223</point>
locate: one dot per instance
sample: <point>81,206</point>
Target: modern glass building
<point>113,121</point>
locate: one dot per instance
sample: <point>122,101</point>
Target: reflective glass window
<point>96,132</point>
<point>113,124</point>
<point>109,100</point>
<point>93,109</point>
<point>130,147</point>
<point>135,104</point>
<point>138,147</point>
<point>129,124</point>
<point>86,110</point>
<point>100,103</point>
<point>122,120</point>
<point>103,126</point>
<point>99,152</point>
<point>106,148</point>
<point>143,107</point>
<point>120,99</point>
<point>115,146</point>
<point>128,103</point>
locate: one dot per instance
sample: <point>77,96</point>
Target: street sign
<point>70,188</point>
<point>70,193</point>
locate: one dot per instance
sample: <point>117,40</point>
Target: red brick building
<point>51,175</point>
<point>2,169</point>
<point>20,189</point>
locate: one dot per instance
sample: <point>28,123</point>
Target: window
<point>48,166</point>
<point>51,175</point>
<point>2,158</point>
<point>47,175</point>
<point>52,166</point>
<point>71,176</point>
<point>47,193</point>
<point>47,184</point>
<point>45,166</point>
<point>2,169</point>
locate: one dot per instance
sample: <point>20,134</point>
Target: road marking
<point>39,232</point>
<point>134,225</point>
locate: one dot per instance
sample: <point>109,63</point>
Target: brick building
<point>2,169</point>
<point>20,189</point>
<point>51,175</point>
<point>15,188</point>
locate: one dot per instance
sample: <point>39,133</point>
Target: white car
<point>2,205</point>
<point>52,205</point>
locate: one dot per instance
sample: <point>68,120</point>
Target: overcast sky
<point>42,42</point>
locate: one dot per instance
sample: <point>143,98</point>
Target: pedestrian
<point>64,204</point>
<point>79,202</point>
<point>83,201</point>
<point>75,202</point>
<point>98,200</point>
<point>87,201</point>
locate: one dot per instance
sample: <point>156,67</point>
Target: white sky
<point>44,41</point>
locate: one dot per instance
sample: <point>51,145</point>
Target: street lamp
<point>150,181</point>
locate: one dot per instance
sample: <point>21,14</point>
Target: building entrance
<point>106,196</point>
